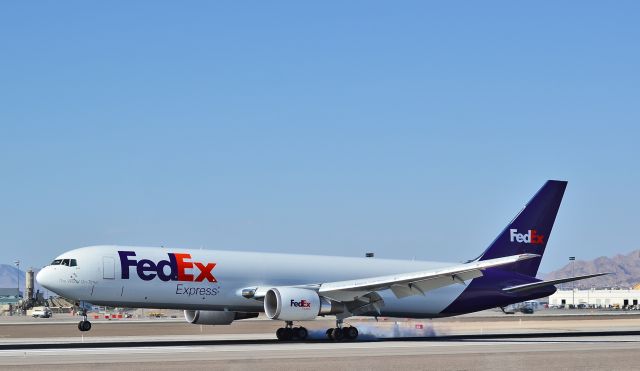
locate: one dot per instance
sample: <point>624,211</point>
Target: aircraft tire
<point>350,332</point>
<point>300,333</point>
<point>280,333</point>
<point>337,334</point>
<point>84,326</point>
<point>329,334</point>
<point>288,333</point>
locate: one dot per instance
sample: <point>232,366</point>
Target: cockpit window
<point>65,262</point>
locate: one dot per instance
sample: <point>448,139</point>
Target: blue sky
<point>416,129</point>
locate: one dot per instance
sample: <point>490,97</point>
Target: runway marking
<point>257,347</point>
<point>280,347</point>
<point>246,352</point>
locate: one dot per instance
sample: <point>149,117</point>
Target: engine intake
<point>298,304</point>
<point>215,317</point>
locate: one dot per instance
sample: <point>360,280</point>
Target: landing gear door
<point>108,268</point>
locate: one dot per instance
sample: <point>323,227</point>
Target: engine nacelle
<point>291,304</point>
<point>215,317</point>
<point>298,304</point>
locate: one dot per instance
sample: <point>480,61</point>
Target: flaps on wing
<point>420,287</point>
<point>536,285</point>
<point>416,283</point>
<point>371,302</point>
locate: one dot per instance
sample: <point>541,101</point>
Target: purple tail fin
<point>529,231</point>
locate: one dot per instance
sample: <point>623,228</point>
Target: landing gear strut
<point>291,333</point>
<point>342,333</point>
<point>84,325</point>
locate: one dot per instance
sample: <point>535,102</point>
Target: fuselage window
<point>56,262</point>
<point>73,263</point>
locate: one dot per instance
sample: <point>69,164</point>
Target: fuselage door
<point>108,268</point>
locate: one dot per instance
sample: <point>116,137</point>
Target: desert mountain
<point>624,269</point>
<point>9,277</point>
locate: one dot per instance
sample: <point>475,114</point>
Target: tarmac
<point>507,342</point>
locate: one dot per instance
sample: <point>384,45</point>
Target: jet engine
<point>298,304</point>
<point>215,317</point>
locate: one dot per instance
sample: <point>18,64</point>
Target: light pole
<point>17,263</point>
<point>572,259</point>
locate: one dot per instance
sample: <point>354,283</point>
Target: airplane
<point>216,287</point>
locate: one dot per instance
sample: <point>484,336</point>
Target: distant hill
<point>9,277</point>
<point>625,271</point>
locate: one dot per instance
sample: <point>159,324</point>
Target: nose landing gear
<point>84,325</point>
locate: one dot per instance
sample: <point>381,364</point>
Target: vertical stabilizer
<point>530,230</point>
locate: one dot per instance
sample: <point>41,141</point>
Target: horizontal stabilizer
<point>535,285</point>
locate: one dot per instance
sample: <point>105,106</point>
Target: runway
<point>567,352</point>
<point>515,343</point>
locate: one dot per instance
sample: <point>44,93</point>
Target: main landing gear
<point>342,333</point>
<point>338,333</point>
<point>291,333</point>
<point>84,325</point>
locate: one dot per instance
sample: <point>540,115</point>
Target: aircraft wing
<point>416,283</point>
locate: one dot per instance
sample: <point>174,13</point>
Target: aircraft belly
<point>429,305</point>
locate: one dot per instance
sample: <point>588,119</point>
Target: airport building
<point>599,298</point>
<point>9,296</point>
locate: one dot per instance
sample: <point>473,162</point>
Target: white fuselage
<point>98,278</point>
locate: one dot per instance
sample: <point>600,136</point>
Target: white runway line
<point>244,352</point>
<point>283,347</point>
<point>141,339</point>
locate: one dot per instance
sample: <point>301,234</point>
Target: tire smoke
<point>384,330</point>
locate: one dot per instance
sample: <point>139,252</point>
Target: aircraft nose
<point>44,278</point>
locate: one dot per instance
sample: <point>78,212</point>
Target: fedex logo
<point>531,237</point>
<point>179,266</point>
<point>304,304</point>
